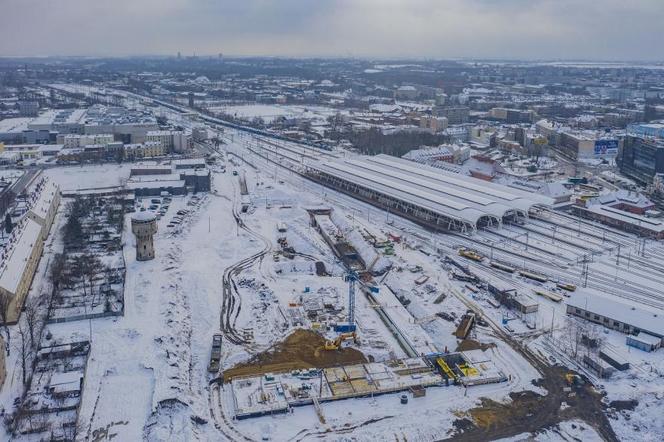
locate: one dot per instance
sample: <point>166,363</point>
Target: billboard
<point>606,146</point>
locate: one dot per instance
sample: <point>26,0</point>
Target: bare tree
<point>57,270</point>
<point>573,334</point>
<point>92,266</point>
<point>33,320</point>
<point>25,351</point>
<point>77,270</point>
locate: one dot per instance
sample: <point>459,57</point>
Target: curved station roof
<point>461,198</point>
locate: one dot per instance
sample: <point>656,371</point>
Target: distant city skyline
<point>608,30</point>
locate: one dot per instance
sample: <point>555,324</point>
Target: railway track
<point>571,234</point>
<point>596,279</point>
<point>590,228</point>
<point>573,245</point>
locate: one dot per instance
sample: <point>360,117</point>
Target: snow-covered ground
<point>72,178</point>
<point>147,378</point>
<point>147,372</point>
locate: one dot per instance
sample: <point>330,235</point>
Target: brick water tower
<point>144,226</point>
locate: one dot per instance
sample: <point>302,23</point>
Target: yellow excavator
<point>336,343</point>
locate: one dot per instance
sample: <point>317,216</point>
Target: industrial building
<point>626,318</point>
<point>429,196</point>
<point>13,130</point>
<point>177,178</point>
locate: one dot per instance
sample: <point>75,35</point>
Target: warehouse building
<point>429,196</point>
<point>620,316</point>
<point>177,178</point>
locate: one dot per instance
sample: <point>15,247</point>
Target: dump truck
<point>215,353</point>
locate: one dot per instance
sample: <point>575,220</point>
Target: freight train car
<point>470,254</point>
<point>501,266</point>
<point>534,276</point>
<point>566,286</point>
<point>549,295</point>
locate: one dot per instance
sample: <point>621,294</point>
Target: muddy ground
<point>529,412</point>
<point>300,350</point>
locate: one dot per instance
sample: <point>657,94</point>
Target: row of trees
<point>76,231</point>
<point>85,269</point>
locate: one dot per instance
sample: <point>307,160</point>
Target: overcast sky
<point>531,29</point>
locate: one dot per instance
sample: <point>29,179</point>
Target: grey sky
<point>542,29</point>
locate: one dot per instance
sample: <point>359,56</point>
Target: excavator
<point>336,343</point>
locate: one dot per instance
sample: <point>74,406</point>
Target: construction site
<point>324,294</point>
<point>393,312</point>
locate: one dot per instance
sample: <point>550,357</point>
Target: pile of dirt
<point>470,344</point>
<point>492,413</point>
<point>530,412</point>
<point>302,349</point>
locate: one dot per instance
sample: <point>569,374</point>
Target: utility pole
<point>552,320</point>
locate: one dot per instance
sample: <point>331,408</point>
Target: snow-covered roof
<point>135,179</point>
<point>647,339</point>
<point>43,203</point>
<point>463,198</point>
<point>155,184</point>
<point>648,320</point>
<point>14,125</point>
<point>653,224</point>
<point>633,198</point>
<point>143,216</point>
<point>11,270</point>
